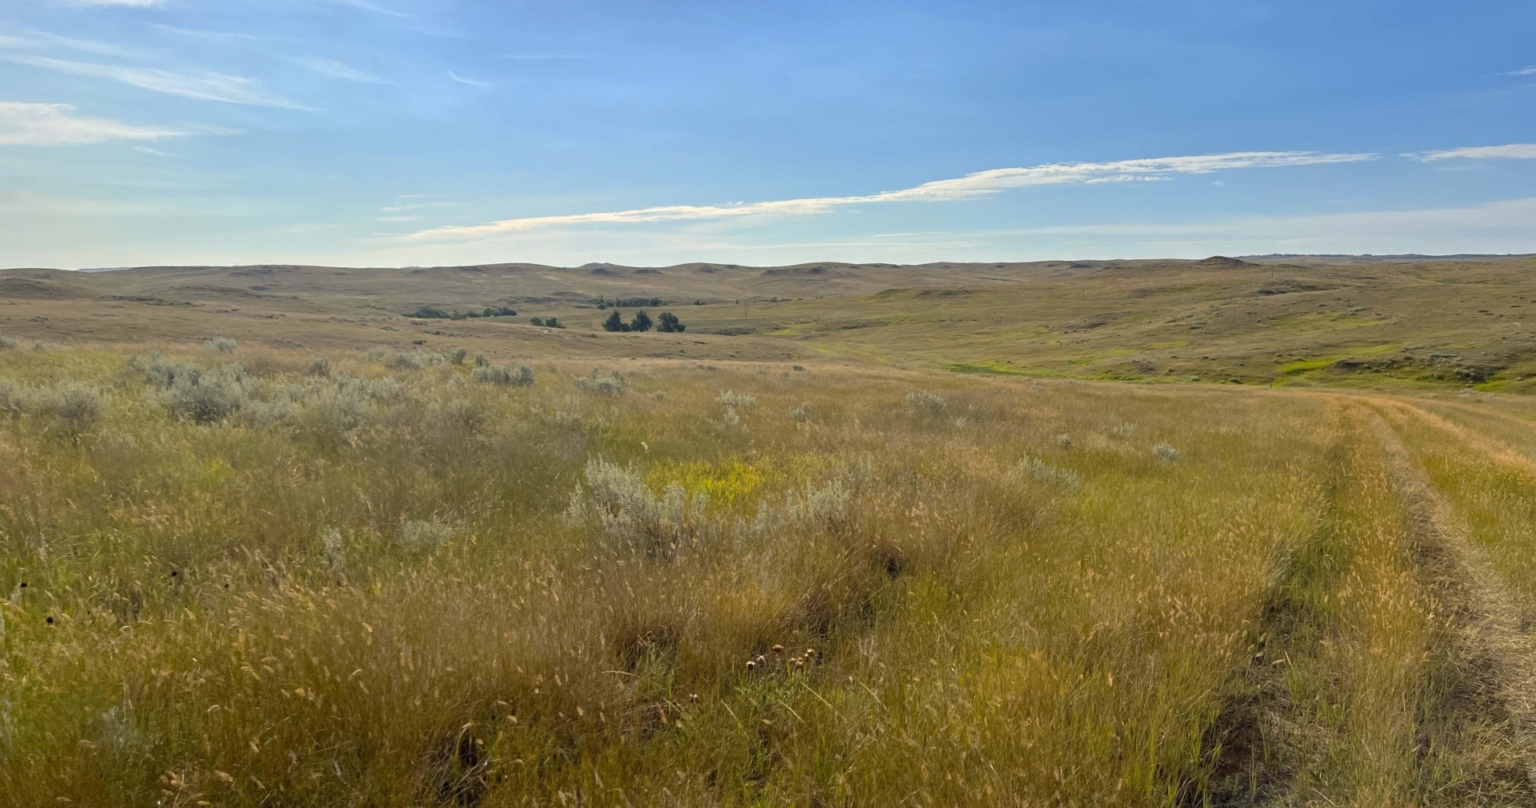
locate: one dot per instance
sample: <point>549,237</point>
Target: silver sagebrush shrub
<point>619,508</point>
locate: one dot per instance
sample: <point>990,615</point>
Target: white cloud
<point>471,82</point>
<point>129,3</point>
<point>203,86</point>
<point>1524,71</point>
<point>376,9</point>
<point>57,125</point>
<point>970,186</point>
<point>337,70</point>
<point>196,33</point>
<point>404,206</point>
<point>1512,151</point>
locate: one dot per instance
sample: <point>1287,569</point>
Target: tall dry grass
<point>386,584</point>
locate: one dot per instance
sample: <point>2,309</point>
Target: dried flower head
<point>778,649</point>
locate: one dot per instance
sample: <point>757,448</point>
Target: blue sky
<point>406,132</point>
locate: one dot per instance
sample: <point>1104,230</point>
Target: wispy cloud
<point>471,82</point>
<point>1512,151</point>
<point>156,152</point>
<point>540,57</point>
<point>376,9</point>
<point>970,186</point>
<point>35,40</point>
<point>217,36</point>
<point>129,3</point>
<point>404,206</point>
<point>337,70</point>
<point>1524,71</point>
<point>203,86</point>
<point>23,124</point>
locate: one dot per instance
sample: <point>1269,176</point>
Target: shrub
<point>818,509</point>
<point>335,552</point>
<point>481,361</point>
<point>736,400</point>
<point>1064,441</point>
<point>611,385</point>
<point>14,397</point>
<point>800,414</point>
<point>221,345</point>
<point>320,367</point>
<point>208,396</point>
<point>335,411</point>
<point>407,361</point>
<point>497,374</point>
<point>623,512</point>
<point>76,405</point>
<point>423,536</point>
<point>924,404</point>
<point>458,355</point>
<point>7,343</point>
<point>1049,474</point>
<point>1166,453</point>
<point>163,374</point>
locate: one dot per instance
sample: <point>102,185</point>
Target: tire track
<point>1494,661</point>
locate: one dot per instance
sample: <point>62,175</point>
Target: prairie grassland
<point>253,577</point>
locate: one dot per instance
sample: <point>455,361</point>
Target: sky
<point>434,132</point>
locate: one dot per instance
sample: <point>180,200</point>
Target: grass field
<point>313,562</point>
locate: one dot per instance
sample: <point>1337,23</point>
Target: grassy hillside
<point>299,548</point>
<point>1392,323</point>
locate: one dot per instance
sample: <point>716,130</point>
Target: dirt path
<point>1496,659</point>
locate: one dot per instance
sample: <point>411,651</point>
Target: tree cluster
<point>434,313</point>
<point>628,302</point>
<point>667,322</point>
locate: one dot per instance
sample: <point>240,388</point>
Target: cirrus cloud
<point>1511,151</point>
<point>970,186</point>
<point>26,124</point>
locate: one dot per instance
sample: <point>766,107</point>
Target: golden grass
<point>404,587</point>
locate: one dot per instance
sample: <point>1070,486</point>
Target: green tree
<point>615,322</point>
<point>642,322</point>
<point>668,323</point>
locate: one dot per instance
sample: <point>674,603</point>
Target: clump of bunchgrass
<point>1064,441</point>
<point>221,345</point>
<point>1165,453</point>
